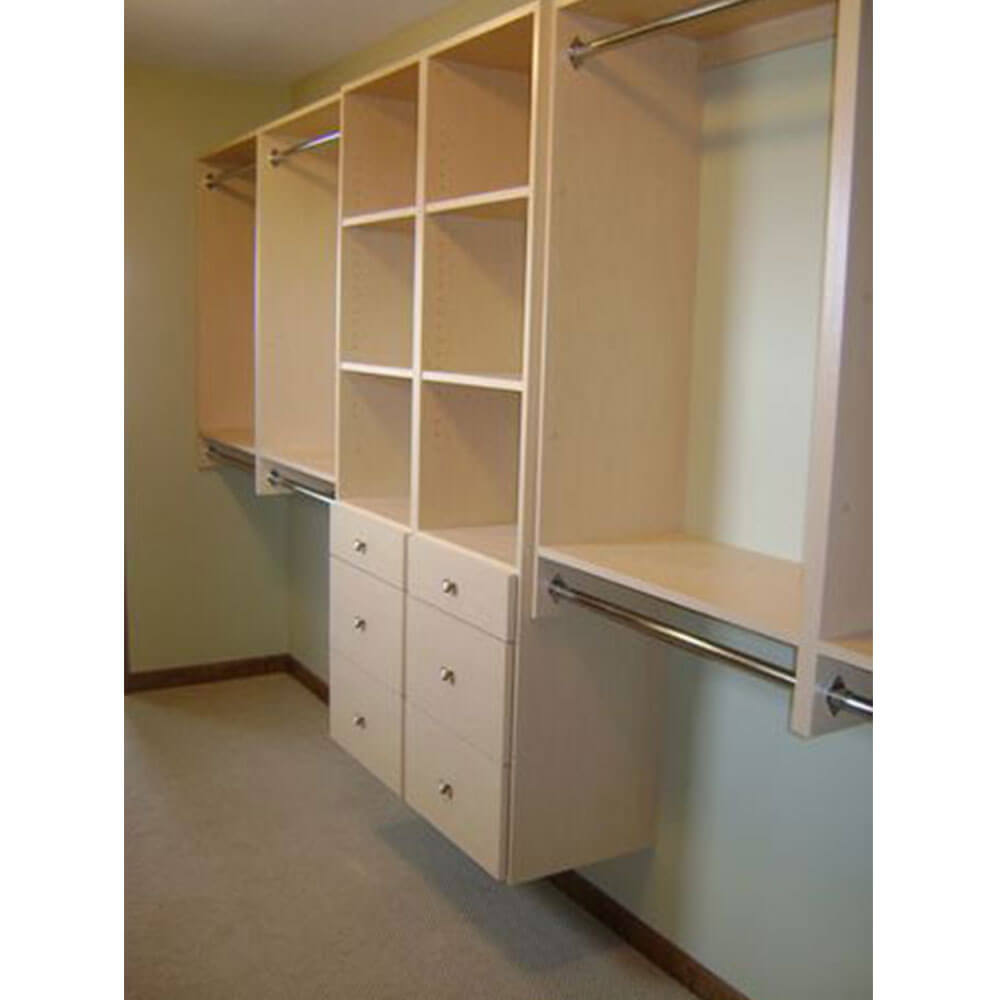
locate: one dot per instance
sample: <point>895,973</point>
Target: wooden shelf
<point>501,382</point>
<point>376,311</point>
<point>502,204</point>
<point>386,371</point>
<point>380,218</point>
<point>479,112</point>
<point>745,588</point>
<point>495,541</point>
<point>313,464</point>
<point>856,650</point>
<point>395,509</point>
<point>380,144</point>
<point>236,438</point>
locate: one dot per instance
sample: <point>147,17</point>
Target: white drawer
<point>366,622</point>
<point>460,676</point>
<point>477,590</point>
<point>366,719</point>
<point>455,787</point>
<point>369,542</point>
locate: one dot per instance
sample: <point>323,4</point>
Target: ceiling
<point>264,39</point>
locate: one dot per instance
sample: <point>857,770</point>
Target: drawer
<point>477,590</point>
<point>366,719</point>
<point>369,542</point>
<point>460,676</point>
<point>458,789</point>
<point>366,622</point>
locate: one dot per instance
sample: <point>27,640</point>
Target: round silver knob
<point>359,721</point>
<point>449,586</point>
<point>447,675</point>
<point>359,623</point>
<point>445,790</point>
<point>359,546</point>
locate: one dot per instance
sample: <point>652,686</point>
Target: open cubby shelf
<point>469,448</point>
<point>236,438</point>
<point>314,464</point>
<point>376,315</point>
<point>380,143</point>
<point>479,112</point>
<point>474,275</point>
<point>495,541</point>
<point>375,421</point>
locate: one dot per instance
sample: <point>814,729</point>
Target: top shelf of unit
<point>508,47</point>
<point>744,588</point>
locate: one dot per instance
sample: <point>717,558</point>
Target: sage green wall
<point>207,562</point>
<point>762,865</point>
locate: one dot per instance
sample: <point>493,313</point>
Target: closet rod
<point>278,156</point>
<point>275,478</point>
<point>224,456</point>
<point>838,696</point>
<point>212,181</point>
<point>579,50</point>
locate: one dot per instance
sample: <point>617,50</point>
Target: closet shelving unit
<point>297,211</point>
<point>693,264</point>
<point>226,230</point>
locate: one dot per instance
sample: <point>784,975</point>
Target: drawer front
<point>368,542</point>
<point>366,719</point>
<point>366,622</point>
<point>456,788</point>
<point>459,676</point>
<point>479,591</point>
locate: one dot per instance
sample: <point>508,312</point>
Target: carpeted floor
<point>263,862</point>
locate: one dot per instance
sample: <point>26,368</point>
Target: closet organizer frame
<point>765,599</point>
<point>460,201</point>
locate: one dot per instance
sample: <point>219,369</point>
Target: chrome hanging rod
<point>212,181</point>
<point>278,156</point>
<point>228,457</point>
<point>579,50</point>
<point>275,478</point>
<point>838,697</point>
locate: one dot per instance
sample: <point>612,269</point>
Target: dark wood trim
<point>205,673</point>
<point>308,679</point>
<point>674,961</point>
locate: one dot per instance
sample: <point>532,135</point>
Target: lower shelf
<point>395,509</point>
<point>754,591</point>
<point>313,464</point>
<point>237,438</point>
<point>495,541</point>
<point>853,649</point>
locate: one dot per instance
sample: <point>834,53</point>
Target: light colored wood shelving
<point>495,541</point>
<point>374,427</point>
<point>745,588</point>
<point>501,382</point>
<point>474,280</point>
<point>378,218</point>
<point>380,143</point>
<point>395,509</point>
<point>469,453</point>
<point>858,650</point>
<point>237,438</point>
<point>318,466</point>
<point>376,311</point>
<point>386,371</point>
<point>485,205</point>
<point>479,112</point>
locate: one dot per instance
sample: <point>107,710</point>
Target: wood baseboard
<point>674,961</point>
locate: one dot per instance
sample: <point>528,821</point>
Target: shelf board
<point>386,371</point>
<point>382,218</point>
<point>236,438</point>
<point>501,204</point>
<point>308,463</point>
<point>747,589</point>
<point>853,649</point>
<point>395,509</point>
<point>506,383</point>
<point>495,541</point>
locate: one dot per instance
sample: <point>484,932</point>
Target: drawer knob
<point>359,546</point>
<point>449,587</point>
<point>359,623</point>
<point>447,675</point>
<point>445,790</point>
<point>359,721</point>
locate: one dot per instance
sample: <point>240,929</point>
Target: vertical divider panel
<point>418,294</point>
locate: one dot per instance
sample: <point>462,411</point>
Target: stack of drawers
<point>420,691</point>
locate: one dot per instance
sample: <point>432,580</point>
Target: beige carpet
<point>263,862</point>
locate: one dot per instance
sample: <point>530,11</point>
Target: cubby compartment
<point>683,312</point>
<point>469,447</point>
<point>479,112</point>
<point>375,421</point>
<point>474,278</point>
<point>380,144</point>
<point>226,226</point>
<point>296,281</point>
<point>376,312</point>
